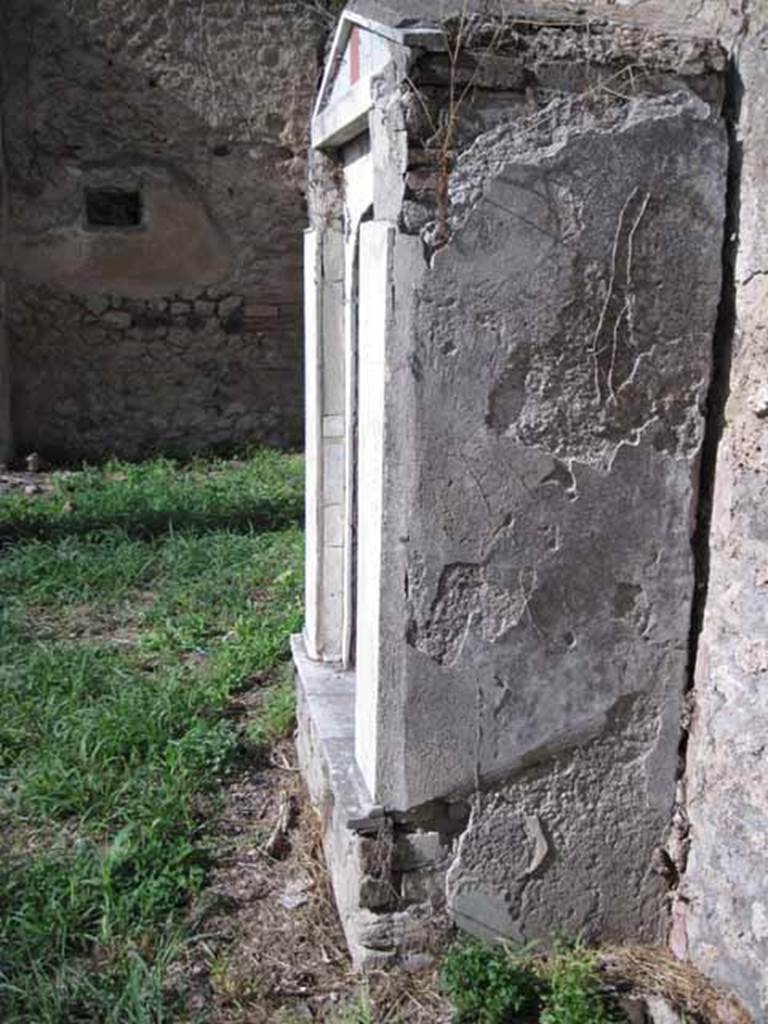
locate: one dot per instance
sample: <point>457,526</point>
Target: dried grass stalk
<point>653,971</point>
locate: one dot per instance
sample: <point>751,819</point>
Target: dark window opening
<point>113,208</point>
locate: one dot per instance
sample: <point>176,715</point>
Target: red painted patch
<point>354,55</point>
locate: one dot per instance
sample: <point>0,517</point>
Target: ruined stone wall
<point>6,440</point>
<point>718,836</point>
<point>549,348</point>
<point>182,333</point>
<point>720,917</point>
<point>722,920</point>
<point>580,573</point>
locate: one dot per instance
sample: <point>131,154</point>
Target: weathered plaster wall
<point>721,918</point>
<point>183,333</point>
<point>556,371</point>
<point>532,432</point>
<point>585,776</point>
<point>546,373</point>
<point>723,921</point>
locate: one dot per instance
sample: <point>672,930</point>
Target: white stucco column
<point>325,453</point>
<point>376,242</point>
<point>358,198</point>
<point>313,399</point>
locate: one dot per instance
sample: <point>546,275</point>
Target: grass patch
<point>261,492</point>
<point>136,600</point>
<point>277,712</point>
<point>498,984</point>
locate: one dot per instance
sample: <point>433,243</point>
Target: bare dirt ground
<point>272,948</point>
<point>29,483</point>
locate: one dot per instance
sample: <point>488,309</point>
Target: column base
<point>387,870</point>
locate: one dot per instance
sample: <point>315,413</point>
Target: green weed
<point>278,712</point>
<point>486,983</point>
<point>572,993</point>
<point>136,600</point>
<point>360,1011</point>
<point>495,984</point>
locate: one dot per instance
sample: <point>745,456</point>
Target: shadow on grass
<point>261,493</point>
<point>264,517</point>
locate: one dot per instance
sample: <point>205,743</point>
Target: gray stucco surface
<point>557,369</point>
<point>568,846</point>
<point>557,364</point>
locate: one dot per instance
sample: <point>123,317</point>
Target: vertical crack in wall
<point>723,340</point>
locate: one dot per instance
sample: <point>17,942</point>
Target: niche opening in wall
<point>113,208</point>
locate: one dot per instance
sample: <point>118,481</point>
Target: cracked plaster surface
<point>552,386</point>
<point>558,440</point>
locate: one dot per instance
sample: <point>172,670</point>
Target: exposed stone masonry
<point>183,332</point>
<point>187,372</point>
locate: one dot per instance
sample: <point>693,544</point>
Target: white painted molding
<point>337,123</point>
<point>313,376</point>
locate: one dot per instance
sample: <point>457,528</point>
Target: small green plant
<point>488,983</point>
<point>494,984</point>
<point>571,991</point>
<point>358,1012</point>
